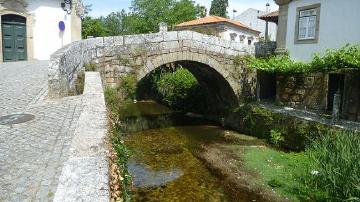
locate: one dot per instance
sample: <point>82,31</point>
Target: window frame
<point>233,36</point>
<point>311,40</point>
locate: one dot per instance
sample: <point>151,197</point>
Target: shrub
<point>80,83</point>
<point>123,155</point>
<point>347,57</point>
<point>176,87</point>
<point>90,67</point>
<point>282,63</point>
<point>276,138</point>
<point>127,85</point>
<point>112,98</point>
<point>333,170</point>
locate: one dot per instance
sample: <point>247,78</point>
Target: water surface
<point>164,145</point>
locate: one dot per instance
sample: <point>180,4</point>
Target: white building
<point>222,27</point>
<point>312,26</point>
<point>32,29</point>
<point>250,17</point>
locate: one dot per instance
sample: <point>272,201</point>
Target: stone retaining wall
<point>303,91</point>
<point>263,49</point>
<point>119,55</point>
<point>297,127</point>
<point>85,174</point>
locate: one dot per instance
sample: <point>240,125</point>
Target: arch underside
<point>217,93</point>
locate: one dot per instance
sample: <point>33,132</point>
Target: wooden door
<point>14,41</point>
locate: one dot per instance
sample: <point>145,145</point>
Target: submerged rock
<point>145,178</point>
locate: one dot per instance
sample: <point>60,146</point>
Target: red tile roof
<point>269,15</point>
<point>214,19</point>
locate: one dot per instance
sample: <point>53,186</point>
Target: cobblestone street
<point>32,153</point>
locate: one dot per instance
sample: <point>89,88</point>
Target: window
<point>242,37</point>
<point>250,40</point>
<point>307,24</point>
<point>233,36</point>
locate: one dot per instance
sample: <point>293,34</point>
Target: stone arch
<point>18,7</point>
<point>140,54</point>
<point>220,91</point>
<point>163,59</point>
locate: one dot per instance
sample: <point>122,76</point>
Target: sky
<point>104,7</point>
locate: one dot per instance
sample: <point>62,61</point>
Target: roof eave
<point>212,23</point>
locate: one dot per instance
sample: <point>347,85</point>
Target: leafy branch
<point>347,57</point>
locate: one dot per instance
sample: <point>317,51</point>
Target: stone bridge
<point>209,58</point>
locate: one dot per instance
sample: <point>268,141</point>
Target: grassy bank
<point>274,170</point>
<point>328,170</point>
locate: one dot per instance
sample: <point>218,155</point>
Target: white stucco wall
<point>250,18</point>
<point>230,29</point>
<point>339,25</point>
<point>47,36</point>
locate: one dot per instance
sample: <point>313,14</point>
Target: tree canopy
<point>219,8</point>
<point>144,17</point>
<point>93,27</point>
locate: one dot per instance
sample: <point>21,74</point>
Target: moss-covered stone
<point>258,121</point>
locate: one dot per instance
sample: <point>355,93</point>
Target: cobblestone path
<point>32,153</point>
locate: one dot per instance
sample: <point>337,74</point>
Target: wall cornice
<point>14,5</point>
<point>282,2</point>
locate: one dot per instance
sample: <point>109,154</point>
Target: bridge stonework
<point>140,54</point>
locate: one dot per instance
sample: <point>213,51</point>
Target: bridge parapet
<point>119,55</point>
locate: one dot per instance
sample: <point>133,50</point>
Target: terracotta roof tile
<point>214,19</point>
<point>270,15</point>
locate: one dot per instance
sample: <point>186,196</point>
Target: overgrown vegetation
<point>175,87</point>
<point>288,131</point>
<point>80,83</point>
<point>113,98</point>
<point>90,67</point>
<point>80,80</point>
<point>123,155</point>
<point>347,57</point>
<point>328,170</point>
<point>332,172</point>
<point>127,86</point>
<point>276,138</point>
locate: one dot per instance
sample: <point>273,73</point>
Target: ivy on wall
<point>347,57</point>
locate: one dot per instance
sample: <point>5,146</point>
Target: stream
<point>164,147</point>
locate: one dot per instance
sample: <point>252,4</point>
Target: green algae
<point>170,149</point>
<point>143,108</point>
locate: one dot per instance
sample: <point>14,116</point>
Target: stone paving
<point>32,153</point>
<point>313,116</point>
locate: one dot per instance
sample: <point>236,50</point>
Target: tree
<point>219,8</point>
<point>115,23</point>
<point>144,17</point>
<point>147,14</point>
<point>93,27</point>
<point>201,11</point>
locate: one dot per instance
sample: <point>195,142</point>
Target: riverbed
<point>170,157</point>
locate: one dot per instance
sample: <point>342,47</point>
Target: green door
<point>14,41</point>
